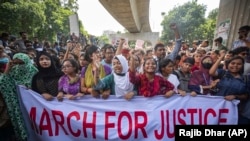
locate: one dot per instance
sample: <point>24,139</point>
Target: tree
<point>22,16</point>
<point>188,17</point>
<point>42,18</point>
<point>207,29</point>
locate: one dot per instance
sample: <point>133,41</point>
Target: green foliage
<point>104,39</point>
<point>42,18</point>
<point>190,18</point>
<point>21,16</point>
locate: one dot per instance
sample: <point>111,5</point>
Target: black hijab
<point>51,71</point>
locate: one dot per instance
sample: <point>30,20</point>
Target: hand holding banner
<point>88,118</point>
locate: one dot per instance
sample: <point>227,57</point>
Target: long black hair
<point>235,58</point>
<point>89,52</point>
<point>163,63</point>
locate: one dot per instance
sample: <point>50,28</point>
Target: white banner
<point>74,25</point>
<point>149,119</point>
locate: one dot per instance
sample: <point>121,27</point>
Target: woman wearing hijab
<point>200,81</point>
<point>45,82</point>
<point>19,72</point>
<point>118,82</point>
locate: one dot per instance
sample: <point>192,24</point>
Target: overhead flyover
<point>133,15</point>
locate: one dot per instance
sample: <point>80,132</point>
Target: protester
<point>231,84</point>
<point>87,76</point>
<point>118,82</point>
<point>243,39</point>
<point>82,62</point>
<point>214,54</point>
<point>218,43</point>
<point>244,52</point>
<point>69,85</point>
<point>108,52</point>
<point>160,51</point>
<point>197,61</point>
<point>148,83</point>
<point>45,82</point>
<point>200,81</point>
<point>19,72</point>
<point>184,74</point>
<point>166,67</point>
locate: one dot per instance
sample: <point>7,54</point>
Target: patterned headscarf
<point>23,73</point>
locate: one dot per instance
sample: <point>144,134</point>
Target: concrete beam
<point>152,37</point>
<point>133,15</point>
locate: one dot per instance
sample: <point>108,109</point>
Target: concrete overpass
<point>133,15</point>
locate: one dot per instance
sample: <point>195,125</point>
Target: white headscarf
<point>122,83</point>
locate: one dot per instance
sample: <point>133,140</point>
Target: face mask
<point>4,60</point>
<point>207,65</point>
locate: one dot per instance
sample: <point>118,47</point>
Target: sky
<point>96,19</point>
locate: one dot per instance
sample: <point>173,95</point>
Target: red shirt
<point>159,86</point>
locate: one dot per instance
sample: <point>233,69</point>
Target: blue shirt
<point>229,85</point>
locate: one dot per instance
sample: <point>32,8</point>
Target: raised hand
<point>222,55</point>
<point>121,42</point>
<point>96,62</point>
<point>69,46</point>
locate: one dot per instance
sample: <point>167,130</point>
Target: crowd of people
<point>72,71</point>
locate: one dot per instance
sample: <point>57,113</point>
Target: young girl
<point>148,83</point>
<point>231,84</point>
<point>69,84</point>
<point>87,74</point>
<point>200,81</point>
<point>197,61</point>
<point>118,82</point>
<point>166,68</point>
<point>45,82</point>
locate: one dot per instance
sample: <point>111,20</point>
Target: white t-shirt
<point>172,79</point>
